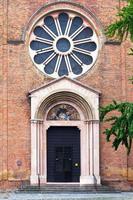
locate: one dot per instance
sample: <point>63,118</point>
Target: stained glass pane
<point>63,68</point>
<point>76,23</point>
<point>50,23</point>
<point>76,68</point>
<point>85,33</point>
<point>36,45</point>
<point>40,58</point>
<point>63,19</point>
<point>50,67</point>
<point>86,59</point>
<point>40,32</point>
<point>89,46</point>
<point>63,45</point>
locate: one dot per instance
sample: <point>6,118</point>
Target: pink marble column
<point>36,132</point>
<point>87,155</point>
<point>90,153</point>
<point>96,151</point>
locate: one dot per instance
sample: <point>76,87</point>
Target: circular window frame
<point>88,23</point>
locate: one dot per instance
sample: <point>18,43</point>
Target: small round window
<point>63,44</point>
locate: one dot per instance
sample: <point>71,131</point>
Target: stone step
<point>62,188</point>
<point>68,196</point>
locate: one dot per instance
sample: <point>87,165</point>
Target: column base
<point>88,180</point>
<point>34,180</point>
<point>98,180</point>
<point>43,180</point>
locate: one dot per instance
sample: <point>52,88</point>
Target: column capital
<point>36,121</point>
<point>91,121</point>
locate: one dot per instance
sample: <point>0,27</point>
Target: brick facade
<point>18,76</point>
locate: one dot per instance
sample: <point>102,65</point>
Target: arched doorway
<point>63,144</point>
<point>63,126</point>
<point>52,107</point>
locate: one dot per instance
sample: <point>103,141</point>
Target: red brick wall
<point>18,76</point>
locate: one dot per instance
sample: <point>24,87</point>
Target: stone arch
<point>68,97</point>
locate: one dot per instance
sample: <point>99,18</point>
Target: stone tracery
<point>63,44</point>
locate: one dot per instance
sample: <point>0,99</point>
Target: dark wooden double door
<point>63,154</point>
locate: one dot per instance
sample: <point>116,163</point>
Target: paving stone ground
<point>41,196</point>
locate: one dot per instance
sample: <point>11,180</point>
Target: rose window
<point>63,44</point>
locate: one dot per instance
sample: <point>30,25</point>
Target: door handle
<point>76,164</point>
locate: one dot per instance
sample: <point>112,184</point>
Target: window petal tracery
<point>63,45</point>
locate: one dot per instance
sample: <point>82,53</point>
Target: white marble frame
<point>89,129</point>
<point>88,144</point>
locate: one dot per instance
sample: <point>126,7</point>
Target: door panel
<point>63,154</point>
<point>63,164</point>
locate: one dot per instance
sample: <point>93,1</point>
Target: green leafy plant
<point>121,124</point>
<point>123,27</point>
